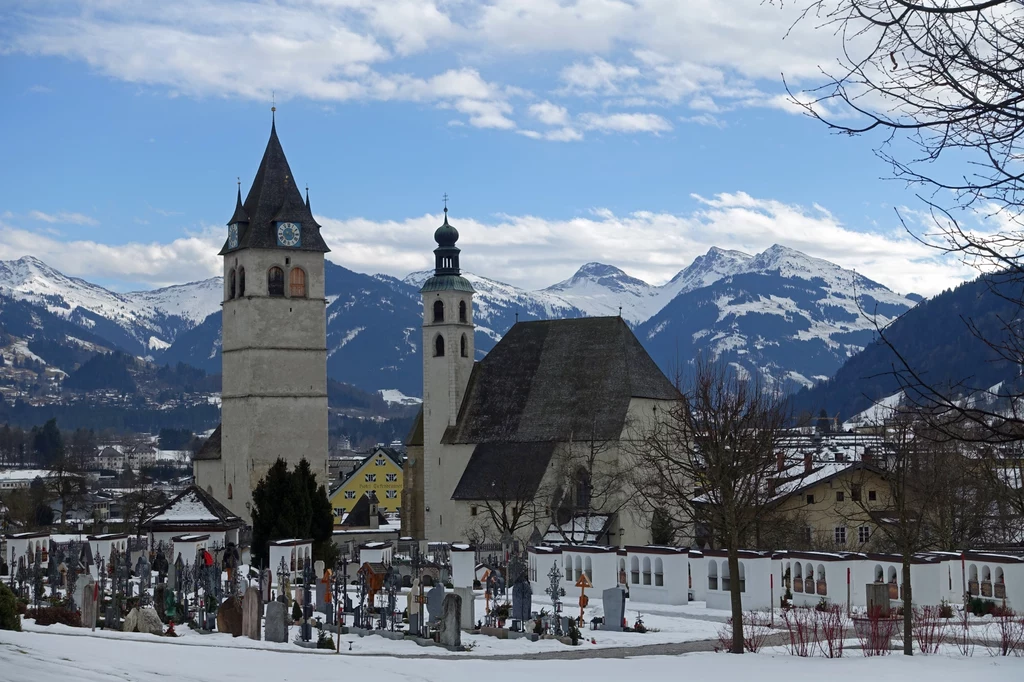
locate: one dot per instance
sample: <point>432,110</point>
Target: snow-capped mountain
<point>601,289</point>
<point>792,319</point>
<point>497,305</point>
<point>140,322</point>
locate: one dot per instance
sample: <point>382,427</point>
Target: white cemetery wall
<point>539,561</point>
<point>658,575</point>
<point>293,555</point>
<point>698,575</point>
<point>755,570</point>
<point>995,577</point>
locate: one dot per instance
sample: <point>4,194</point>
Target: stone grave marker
<point>320,599</point>
<point>277,622</point>
<point>85,589</point>
<point>251,614</point>
<point>522,600</point>
<point>318,568</point>
<point>229,617</point>
<point>614,602</point>
<point>413,606</point>
<point>450,631</point>
<point>468,615</point>
<point>435,602</point>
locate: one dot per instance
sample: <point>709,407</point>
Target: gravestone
<point>468,615</point>
<point>149,622</point>
<point>435,602</point>
<point>413,605</point>
<point>85,589</point>
<point>266,581</point>
<point>522,600</point>
<point>318,569</point>
<point>321,598</point>
<point>277,622</point>
<point>251,614</point>
<point>614,602</point>
<point>131,621</point>
<point>229,617</point>
<point>158,601</point>
<point>450,631</point>
<point>877,599</point>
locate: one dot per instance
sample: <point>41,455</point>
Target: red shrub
<point>802,626</point>
<point>929,629</point>
<point>1011,633</point>
<point>832,626</point>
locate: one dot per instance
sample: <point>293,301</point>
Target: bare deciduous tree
<point>713,461</point>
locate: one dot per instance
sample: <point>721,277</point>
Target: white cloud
<point>63,217</point>
<point>706,55</point>
<point>550,114</point>
<point>625,123</point>
<point>533,251</point>
<point>150,264</point>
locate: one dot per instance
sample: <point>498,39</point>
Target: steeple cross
<point>445,197</point>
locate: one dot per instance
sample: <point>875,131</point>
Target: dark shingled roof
<point>510,471</point>
<point>359,517</point>
<point>211,446</point>
<point>275,197</point>
<point>415,436</point>
<point>556,379</point>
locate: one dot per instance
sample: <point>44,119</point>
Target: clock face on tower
<point>288,234</point>
<point>233,236</point>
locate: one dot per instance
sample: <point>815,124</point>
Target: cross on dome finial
<point>445,197</point>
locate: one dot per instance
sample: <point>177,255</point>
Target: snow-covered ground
<point>36,657</point>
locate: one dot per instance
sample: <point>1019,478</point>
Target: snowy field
<point>37,657</point>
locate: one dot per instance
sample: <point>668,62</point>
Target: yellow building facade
<point>380,472</point>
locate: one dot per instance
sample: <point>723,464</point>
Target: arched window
<point>879,574</point>
<point>726,577</point>
<point>798,577</point>
<point>241,282</point>
<point>462,311</point>
<point>462,346</point>
<point>809,582</point>
<point>439,346</point>
<point>647,570</point>
<point>275,281</point>
<point>634,570</point>
<point>822,583</point>
<point>588,568</point>
<point>578,565</point>
<point>438,311</point>
<point>231,285</point>
<point>622,572</point>
<point>892,575</point>
<point>297,283</point>
<point>230,492</point>
<point>743,577</point>
<point>659,573</point>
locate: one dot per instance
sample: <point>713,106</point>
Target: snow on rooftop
<point>23,474</point>
<point>188,508</point>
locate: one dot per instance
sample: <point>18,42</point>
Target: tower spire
<point>307,198</point>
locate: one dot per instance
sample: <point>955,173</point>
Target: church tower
<point>274,339</point>
<point>448,352</point>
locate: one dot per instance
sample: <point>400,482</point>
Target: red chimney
<point>808,462</point>
<point>780,461</point>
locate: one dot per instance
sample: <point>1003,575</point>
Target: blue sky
<point>635,133</point>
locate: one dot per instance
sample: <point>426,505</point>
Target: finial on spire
<point>273,106</point>
<point>620,311</point>
<point>307,195</point>
<point>238,180</point>
<point>445,197</point>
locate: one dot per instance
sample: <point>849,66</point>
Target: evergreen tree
<point>290,504</point>
<point>48,443</point>
<point>662,531</point>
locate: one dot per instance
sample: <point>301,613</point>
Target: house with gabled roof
<point>380,472</point>
<point>489,450</point>
<point>193,511</point>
